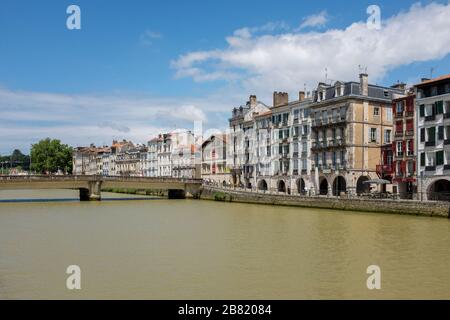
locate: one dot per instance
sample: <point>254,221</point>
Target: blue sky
<point>137,67</point>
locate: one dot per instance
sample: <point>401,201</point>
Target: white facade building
<point>433,140</point>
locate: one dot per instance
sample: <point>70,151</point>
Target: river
<point>193,249</point>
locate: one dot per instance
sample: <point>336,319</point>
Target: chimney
<point>280,99</point>
<point>364,84</point>
<point>253,101</point>
<point>301,96</point>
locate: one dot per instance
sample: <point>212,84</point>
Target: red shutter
<point>404,146</point>
<point>399,126</point>
<point>409,125</point>
<point>409,104</point>
<point>403,166</point>
<point>394,109</point>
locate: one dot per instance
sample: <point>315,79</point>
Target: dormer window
<point>339,90</point>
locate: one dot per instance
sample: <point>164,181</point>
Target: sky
<point>137,68</point>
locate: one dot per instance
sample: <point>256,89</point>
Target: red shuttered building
<point>404,160</point>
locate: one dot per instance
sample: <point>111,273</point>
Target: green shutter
<point>422,110</point>
<point>432,134</point>
<point>422,159</point>
<point>439,158</point>
<point>422,134</point>
<point>441,132</point>
<point>439,107</point>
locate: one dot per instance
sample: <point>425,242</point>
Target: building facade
<point>214,160</point>
<point>351,121</point>
<point>433,142</point>
<point>404,157</point>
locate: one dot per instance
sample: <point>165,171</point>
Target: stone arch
<point>362,187</point>
<point>262,185</point>
<point>339,185</point>
<point>323,186</point>
<point>439,190</point>
<point>281,186</point>
<point>301,186</point>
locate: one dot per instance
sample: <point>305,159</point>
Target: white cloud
<point>315,20</point>
<point>26,117</point>
<point>287,61</point>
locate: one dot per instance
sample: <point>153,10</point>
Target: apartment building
<point>243,143</point>
<point>270,146</point>
<point>350,123</point>
<point>403,166</point>
<point>433,142</point>
<point>152,157</point>
<point>214,168</point>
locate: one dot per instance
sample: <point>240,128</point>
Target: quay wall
<point>408,207</point>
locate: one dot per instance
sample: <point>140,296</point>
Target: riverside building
<point>433,143</point>
<point>350,123</point>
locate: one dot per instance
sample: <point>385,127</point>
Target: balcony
<point>409,132</point>
<point>399,115</point>
<point>430,118</point>
<point>295,172</point>
<point>446,166</point>
<point>384,170</point>
<point>398,134</point>
<point>447,142</point>
<point>447,115</point>
<point>295,155</point>
<point>430,168</point>
<point>430,144</point>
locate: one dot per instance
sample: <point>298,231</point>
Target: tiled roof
<point>441,78</point>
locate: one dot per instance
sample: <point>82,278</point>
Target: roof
<point>430,81</point>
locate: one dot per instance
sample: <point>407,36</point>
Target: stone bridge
<point>90,186</point>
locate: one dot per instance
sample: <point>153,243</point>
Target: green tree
<point>49,156</point>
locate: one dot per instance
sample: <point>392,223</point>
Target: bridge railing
<point>97,178</point>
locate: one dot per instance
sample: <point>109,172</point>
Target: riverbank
<point>405,207</point>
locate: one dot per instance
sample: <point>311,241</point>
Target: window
<point>389,114</point>
<point>410,147</point>
<point>376,111</point>
<point>400,149</point>
<point>439,107</point>
<point>373,135</point>
<point>305,130</point>
<point>399,107</point>
<point>422,110</point>
<point>431,159</point>
<point>387,136</point>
